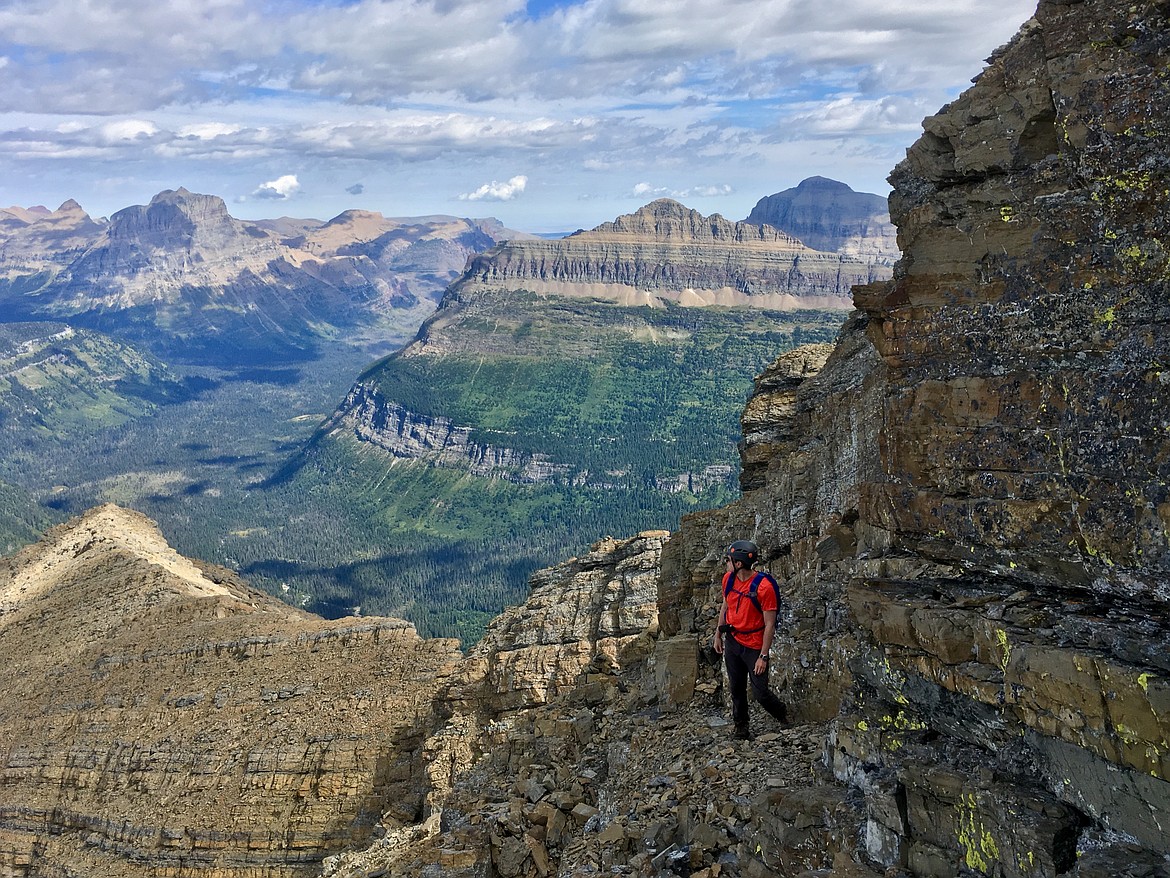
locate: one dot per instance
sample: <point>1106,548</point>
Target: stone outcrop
<point>438,440</point>
<point>665,251</point>
<point>162,718</point>
<point>827,215</point>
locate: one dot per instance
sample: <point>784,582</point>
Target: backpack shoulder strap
<point>755,587</point>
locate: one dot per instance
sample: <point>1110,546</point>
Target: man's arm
<point>717,640</point>
<point>766,646</point>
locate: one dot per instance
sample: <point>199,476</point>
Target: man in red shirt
<point>748,615</point>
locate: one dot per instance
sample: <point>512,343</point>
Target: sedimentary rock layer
<point>161,718</point>
<point>665,251</point>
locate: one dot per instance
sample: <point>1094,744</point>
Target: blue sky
<point>549,114</point>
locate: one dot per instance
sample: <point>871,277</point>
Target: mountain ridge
<point>828,215</point>
<point>225,288</point>
<point>666,251</point>
<point>117,717</point>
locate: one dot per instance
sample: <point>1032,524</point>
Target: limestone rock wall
<point>666,251</point>
<point>161,718</point>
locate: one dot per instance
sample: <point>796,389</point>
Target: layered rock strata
<point>161,718</point>
<point>665,251</point>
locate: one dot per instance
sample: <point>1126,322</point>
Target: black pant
<point>741,662</point>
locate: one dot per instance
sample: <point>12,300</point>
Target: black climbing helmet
<point>744,551</point>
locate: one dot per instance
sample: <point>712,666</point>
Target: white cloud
<point>495,191</point>
<point>280,188</point>
<point>646,190</point>
<point>127,129</point>
<point>208,130</point>
<point>397,93</point>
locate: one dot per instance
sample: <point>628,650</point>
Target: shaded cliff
<point>827,215</point>
<point>970,511</point>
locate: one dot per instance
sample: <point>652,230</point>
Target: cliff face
<point>184,724</point>
<point>988,573</point>
<point>665,251</point>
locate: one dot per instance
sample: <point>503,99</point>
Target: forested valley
<point>354,531</point>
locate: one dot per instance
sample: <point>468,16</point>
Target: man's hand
<point>761,666</point>
<point>717,642</point>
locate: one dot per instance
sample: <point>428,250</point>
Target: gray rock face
<point>436,440</point>
<point>665,251</point>
<point>827,215</point>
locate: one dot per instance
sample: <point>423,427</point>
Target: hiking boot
<point>742,733</point>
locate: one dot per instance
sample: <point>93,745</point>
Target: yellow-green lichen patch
<point>980,850</point>
<point>1005,648</point>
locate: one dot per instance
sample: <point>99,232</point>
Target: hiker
<point>748,617</point>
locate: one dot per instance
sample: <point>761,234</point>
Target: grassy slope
<point>63,383</point>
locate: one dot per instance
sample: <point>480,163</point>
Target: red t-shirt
<point>742,614</point>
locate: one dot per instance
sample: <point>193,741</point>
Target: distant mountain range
<point>668,252</point>
<point>184,277</point>
<point>565,390</point>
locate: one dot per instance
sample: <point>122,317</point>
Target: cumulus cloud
<point>495,191</point>
<point>128,129</point>
<point>646,190</point>
<point>279,189</point>
<point>208,130</point>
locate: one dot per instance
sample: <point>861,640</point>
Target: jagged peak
<point>28,215</point>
